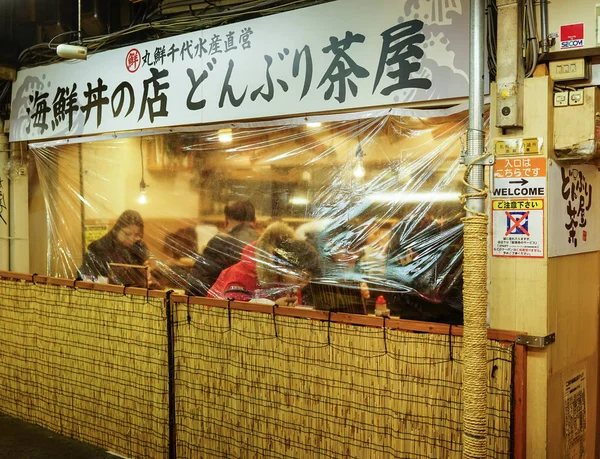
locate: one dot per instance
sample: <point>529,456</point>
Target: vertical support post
<point>519,408</point>
<point>475,254</point>
<point>81,202</point>
<point>19,210</point>
<point>171,384</point>
<point>4,200</point>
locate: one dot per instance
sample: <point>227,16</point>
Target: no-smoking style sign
<point>519,184</point>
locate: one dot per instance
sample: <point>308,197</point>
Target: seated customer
<point>275,269</point>
<point>425,264</point>
<point>343,287</point>
<point>122,245</point>
<point>225,249</point>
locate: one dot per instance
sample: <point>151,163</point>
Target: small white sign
<point>517,178</point>
<point>518,228</point>
<point>574,218</point>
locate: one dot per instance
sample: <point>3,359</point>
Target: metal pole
<point>544,17</point>
<point>475,137</point>
<point>475,254</point>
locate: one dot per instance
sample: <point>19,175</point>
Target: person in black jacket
<point>224,249</point>
<point>123,244</point>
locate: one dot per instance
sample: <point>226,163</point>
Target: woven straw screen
<point>89,365</point>
<point>251,385</point>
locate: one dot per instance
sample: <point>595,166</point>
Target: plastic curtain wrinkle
<point>277,214</point>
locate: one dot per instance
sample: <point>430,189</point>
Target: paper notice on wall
<point>94,232</point>
<point>575,416</point>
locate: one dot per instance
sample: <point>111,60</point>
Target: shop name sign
<point>335,56</point>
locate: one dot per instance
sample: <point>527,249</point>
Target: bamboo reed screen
<point>94,366</point>
<point>252,385</point>
<point>89,365</point>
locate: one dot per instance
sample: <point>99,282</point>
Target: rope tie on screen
<point>475,332</point>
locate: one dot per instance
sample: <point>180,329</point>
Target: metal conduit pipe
<point>544,19</point>
<point>475,135</point>
<point>474,353</point>
<point>4,198</point>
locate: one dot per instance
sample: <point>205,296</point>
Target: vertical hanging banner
<point>335,56</point>
<point>518,217</point>
<point>574,212</point>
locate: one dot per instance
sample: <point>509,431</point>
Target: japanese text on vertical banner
<point>339,55</point>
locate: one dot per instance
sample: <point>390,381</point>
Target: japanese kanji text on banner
<point>574,210</point>
<point>339,55</point>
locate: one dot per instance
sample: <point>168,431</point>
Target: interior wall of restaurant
<point>121,165</point>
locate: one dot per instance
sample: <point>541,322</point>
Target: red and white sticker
<point>571,36</point>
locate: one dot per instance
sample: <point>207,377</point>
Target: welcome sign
<point>336,56</point>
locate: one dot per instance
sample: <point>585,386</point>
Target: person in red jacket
<point>273,270</point>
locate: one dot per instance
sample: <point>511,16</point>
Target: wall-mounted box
<point>577,128</point>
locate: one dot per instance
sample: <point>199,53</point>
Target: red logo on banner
<point>133,60</point>
<point>571,36</point>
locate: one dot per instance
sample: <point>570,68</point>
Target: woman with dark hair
<point>122,245</point>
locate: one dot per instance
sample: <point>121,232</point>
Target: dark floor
<point>20,440</point>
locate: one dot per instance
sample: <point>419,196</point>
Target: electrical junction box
<point>577,126</point>
<point>574,22</point>
<point>571,69</point>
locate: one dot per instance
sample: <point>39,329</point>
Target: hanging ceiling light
<point>313,124</point>
<point>359,169</point>
<point>142,198</point>
<point>225,135</point>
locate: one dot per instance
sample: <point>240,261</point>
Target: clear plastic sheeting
<point>331,215</point>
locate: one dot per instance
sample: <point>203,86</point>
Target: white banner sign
<point>574,218</point>
<point>336,56</point>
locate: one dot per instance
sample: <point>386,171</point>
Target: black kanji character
<point>64,105</point>
<point>40,111</point>
<point>227,89</point>
<point>159,55</point>
<point>308,68</point>
<point>186,48</point>
<point>229,46</point>
<point>172,51</point>
<point>245,37</point>
<point>342,67</point>
<point>146,58</point>
<point>215,45</point>
<point>200,47</point>
<point>95,100</point>
<point>120,92</point>
<point>159,98</point>
<point>400,43</point>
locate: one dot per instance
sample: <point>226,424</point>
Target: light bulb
<point>225,135</point>
<point>142,199</point>
<point>313,124</point>
<point>359,170</point>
